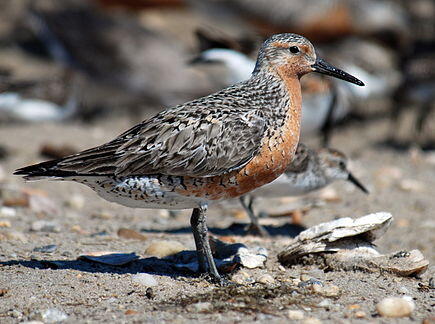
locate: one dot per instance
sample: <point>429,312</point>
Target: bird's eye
<point>342,165</point>
<point>294,49</point>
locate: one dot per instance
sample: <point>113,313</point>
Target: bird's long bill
<point>324,67</point>
<point>356,182</point>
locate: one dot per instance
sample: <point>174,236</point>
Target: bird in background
<point>217,147</point>
<point>310,170</point>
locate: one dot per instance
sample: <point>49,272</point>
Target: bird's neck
<point>311,179</point>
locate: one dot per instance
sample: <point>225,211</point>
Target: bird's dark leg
<point>254,228</point>
<point>423,112</point>
<point>329,121</point>
<point>200,233</point>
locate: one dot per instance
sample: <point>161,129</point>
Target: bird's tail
<point>43,170</point>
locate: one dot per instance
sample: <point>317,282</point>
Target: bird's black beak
<point>356,182</point>
<point>324,67</point>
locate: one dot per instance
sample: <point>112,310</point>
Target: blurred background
<point>86,60</point>
<point>76,73</point>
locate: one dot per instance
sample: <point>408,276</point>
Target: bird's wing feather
<point>190,142</point>
<point>301,161</point>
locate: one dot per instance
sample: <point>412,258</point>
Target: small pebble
<point>46,249</point>
<point>163,249</point>
<point>326,303</point>
<point>309,282</point>
<point>305,277</point>
<point>7,212</point>
<point>45,226</point>
<point>395,306</point>
<point>131,234</point>
<point>360,314</point>
<point>242,278</point>
<point>312,320</point>
<point>404,290</point>
<point>149,293</point>
<point>5,223</point>
<point>266,279</point>
<point>131,312</point>
<point>76,202</point>
<point>295,314</point>
<point>200,307</point>
<point>144,279</point>
<point>329,291</point>
<point>53,315</point>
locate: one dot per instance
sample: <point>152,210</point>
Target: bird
<point>217,147</point>
<point>310,170</point>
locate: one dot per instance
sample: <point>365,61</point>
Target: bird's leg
<point>254,228</point>
<point>329,121</point>
<point>200,233</point>
<point>423,112</point>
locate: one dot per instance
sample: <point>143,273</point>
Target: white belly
<point>141,192</point>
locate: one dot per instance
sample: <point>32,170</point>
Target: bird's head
<point>294,55</point>
<point>334,163</point>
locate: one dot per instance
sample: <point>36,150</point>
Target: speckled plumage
<point>217,147</point>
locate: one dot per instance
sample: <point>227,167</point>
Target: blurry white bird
<point>16,108</point>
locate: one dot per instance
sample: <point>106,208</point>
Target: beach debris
<point>396,307</point>
<point>110,257</point>
<point>131,234</point>
<point>347,244</point>
<point>144,279</point>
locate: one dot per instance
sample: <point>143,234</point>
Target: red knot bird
<point>310,170</point>
<point>217,147</point>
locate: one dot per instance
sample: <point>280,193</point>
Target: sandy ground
<point>400,183</point>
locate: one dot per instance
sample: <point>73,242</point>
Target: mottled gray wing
<point>188,142</point>
<point>301,160</point>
